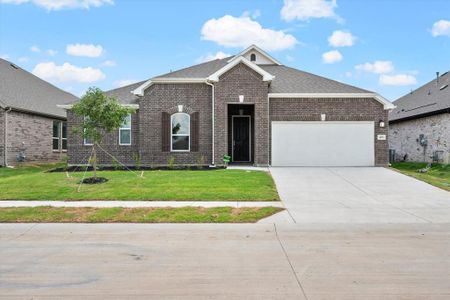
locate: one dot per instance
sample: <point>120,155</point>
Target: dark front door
<point>241,138</point>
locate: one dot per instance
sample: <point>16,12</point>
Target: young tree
<point>101,115</point>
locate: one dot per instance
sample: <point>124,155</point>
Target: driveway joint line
<point>289,261</point>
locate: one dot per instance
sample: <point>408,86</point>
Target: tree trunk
<point>94,158</point>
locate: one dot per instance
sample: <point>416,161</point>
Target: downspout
<point>5,150</point>
<point>212,120</point>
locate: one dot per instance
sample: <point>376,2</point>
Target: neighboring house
<point>32,127</point>
<point>420,123</point>
<point>250,107</point>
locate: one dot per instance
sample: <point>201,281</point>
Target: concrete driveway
<point>359,195</point>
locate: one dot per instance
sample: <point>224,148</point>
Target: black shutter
<point>165,132</point>
<point>194,132</point>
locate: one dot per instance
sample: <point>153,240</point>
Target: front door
<point>241,139</point>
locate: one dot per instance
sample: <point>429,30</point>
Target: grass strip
<point>48,214</point>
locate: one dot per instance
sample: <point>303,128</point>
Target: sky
<point>387,46</point>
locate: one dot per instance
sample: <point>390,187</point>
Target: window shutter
<point>165,132</point>
<point>194,131</point>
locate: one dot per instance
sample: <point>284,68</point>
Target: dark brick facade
<point>349,109</point>
<point>147,126</point>
<point>241,80</point>
<point>147,130</point>
<point>79,153</point>
<point>160,98</point>
<point>29,133</point>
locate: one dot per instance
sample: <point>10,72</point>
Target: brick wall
<point>241,80</point>
<point>31,134</point>
<point>79,153</point>
<point>403,138</point>
<point>160,98</point>
<point>304,109</point>
<point>2,137</point>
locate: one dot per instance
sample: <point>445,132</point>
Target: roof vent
<point>444,74</point>
<point>443,87</point>
<point>437,78</point>
<point>14,66</point>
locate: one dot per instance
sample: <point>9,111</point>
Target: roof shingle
<point>22,90</point>
<point>431,97</point>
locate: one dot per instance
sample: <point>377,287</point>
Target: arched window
<point>180,132</point>
<point>253,57</point>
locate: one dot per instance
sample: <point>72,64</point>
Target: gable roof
<point>215,76</point>
<point>284,81</point>
<point>290,80</point>
<point>22,90</point>
<point>430,98</point>
<point>260,51</point>
<point>124,95</point>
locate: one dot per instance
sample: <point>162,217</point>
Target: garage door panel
<point>322,143</point>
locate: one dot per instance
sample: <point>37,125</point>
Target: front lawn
<point>45,214</point>
<point>438,175</point>
<point>32,183</point>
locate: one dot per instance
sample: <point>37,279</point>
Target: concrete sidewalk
<point>237,204</point>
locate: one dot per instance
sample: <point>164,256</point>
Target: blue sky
<point>386,46</point>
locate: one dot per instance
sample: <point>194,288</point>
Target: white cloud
<point>124,82</point>
<point>109,63</point>
<point>332,57</point>
<point>341,39</point>
<point>253,14</point>
<point>306,9</point>
<point>88,50</point>
<point>35,49</point>
<point>61,4</point>
<point>377,67</point>
<point>397,80</point>
<point>52,52</point>
<point>210,56</point>
<point>441,27</point>
<point>242,31</point>
<point>67,72</point>
<point>23,59</point>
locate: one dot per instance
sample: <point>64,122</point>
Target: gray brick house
<point>420,124</point>
<point>32,127</point>
<point>250,107</point>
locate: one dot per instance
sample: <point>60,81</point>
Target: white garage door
<point>322,143</point>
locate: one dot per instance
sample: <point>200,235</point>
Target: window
<point>59,139</point>
<point>253,57</point>
<point>181,131</point>
<point>125,132</point>
<point>56,135</point>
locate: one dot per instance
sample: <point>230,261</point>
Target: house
<point>420,124</point>
<point>32,127</point>
<point>251,107</point>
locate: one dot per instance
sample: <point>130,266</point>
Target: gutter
<point>212,120</point>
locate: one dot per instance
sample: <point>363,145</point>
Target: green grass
<point>438,175</point>
<point>32,183</point>
<point>46,214</point>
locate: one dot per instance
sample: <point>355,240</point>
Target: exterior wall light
<point>381,123</point>
<point>241,98</point>
<point>323,117</point>
<point>180,108</point>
